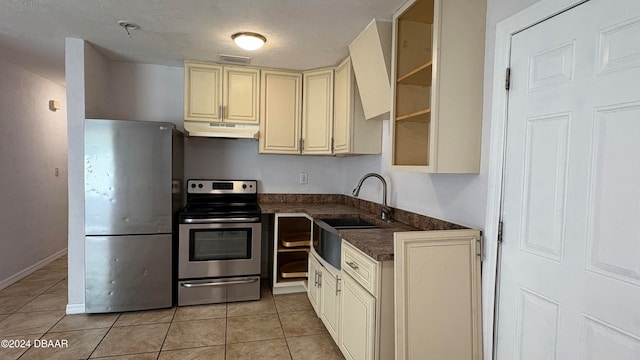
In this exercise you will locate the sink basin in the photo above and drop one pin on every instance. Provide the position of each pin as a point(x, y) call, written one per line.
point(326, 240)
point(349, 223)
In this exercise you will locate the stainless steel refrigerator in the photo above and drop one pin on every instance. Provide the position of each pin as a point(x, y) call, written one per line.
point(133, 177)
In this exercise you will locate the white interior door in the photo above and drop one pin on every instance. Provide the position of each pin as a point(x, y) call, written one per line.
point(570, 266)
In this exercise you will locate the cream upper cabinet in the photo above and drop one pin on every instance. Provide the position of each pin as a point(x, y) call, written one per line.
point(317, 112)
point(437, 77)
point(371, 56)
point(202, 92)
point(437, 295)
point(221, 93)
point(352, 133)
point(240, 93)
point(280, 112)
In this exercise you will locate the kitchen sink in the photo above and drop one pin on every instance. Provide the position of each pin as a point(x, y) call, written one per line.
point(349, 223)
point(326, 240)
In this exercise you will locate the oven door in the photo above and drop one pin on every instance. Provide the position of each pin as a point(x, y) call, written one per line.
point(218, 250)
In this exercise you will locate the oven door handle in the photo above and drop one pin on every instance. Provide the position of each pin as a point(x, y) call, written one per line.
point(222, 220)
point(233, 281)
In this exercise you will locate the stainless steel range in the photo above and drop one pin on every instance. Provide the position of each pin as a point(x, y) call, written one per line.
point(219, 242)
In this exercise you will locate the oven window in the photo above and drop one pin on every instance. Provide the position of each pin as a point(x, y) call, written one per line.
point(210, 244)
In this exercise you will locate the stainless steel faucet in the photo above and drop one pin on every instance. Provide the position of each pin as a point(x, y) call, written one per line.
point(385, 213)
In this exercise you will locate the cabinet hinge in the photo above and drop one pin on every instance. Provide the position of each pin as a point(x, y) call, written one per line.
point(479, 246)
point(301, 144)
point(500, 232)
point(333, 146)
point(507, 79)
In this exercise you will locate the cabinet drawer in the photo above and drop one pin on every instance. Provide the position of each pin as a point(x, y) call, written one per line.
point(361, 267)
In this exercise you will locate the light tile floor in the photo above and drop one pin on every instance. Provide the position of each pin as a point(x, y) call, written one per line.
point(275, 327)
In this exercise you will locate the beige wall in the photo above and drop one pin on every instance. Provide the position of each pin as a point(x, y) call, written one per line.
point(33, 201)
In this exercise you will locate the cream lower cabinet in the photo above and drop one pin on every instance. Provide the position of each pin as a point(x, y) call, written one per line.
point(324, 291)
point(330, 301)
point(292, 242)
point(366, 304)
point(437, 276)
point(314, 281)
point(357, 338)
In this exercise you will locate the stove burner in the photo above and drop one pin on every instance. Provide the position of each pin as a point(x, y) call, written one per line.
point(221, 201)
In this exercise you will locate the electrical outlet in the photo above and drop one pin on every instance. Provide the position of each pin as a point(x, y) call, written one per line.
point(176, 188)
point(304, 178)
point(56, 172)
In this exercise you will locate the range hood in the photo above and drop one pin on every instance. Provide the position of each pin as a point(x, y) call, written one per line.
point(221, 130)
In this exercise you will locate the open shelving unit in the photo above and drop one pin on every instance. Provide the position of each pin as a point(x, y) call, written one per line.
point(437, 75)
point(292, 242)
point(414, 73)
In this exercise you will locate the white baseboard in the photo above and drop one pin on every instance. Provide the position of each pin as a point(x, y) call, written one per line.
point(75, 309)
point(29, 270)
point(288, 289)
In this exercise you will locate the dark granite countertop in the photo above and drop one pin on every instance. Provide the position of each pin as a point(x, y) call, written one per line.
point(376, 243)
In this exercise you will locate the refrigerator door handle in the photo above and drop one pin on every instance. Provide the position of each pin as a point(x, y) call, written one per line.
point(223, 282)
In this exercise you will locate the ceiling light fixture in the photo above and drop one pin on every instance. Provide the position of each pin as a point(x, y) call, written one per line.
point(128, 26)
point(249, 40)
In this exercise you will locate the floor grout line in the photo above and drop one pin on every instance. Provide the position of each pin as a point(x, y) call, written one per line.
point(278, 312)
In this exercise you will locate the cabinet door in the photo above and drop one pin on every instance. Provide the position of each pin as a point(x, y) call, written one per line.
point(352, 132)
point(330, 302)
point(317, 112)
point(202, 91)
point(280, 110)
point(313, 284)
point(357, 328)
point(371, 52)
point(343, 102)
point(240, 95)
point(437, 294)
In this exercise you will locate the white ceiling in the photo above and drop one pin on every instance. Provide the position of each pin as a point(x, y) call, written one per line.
point(301, 34)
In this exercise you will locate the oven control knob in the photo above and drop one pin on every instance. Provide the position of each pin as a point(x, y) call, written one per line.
point(244, 186)
point(193, 186)
point(200, 186)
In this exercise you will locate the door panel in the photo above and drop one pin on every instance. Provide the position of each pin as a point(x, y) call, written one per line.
point(614, 250)
point(357, 328)
point(342, 104)
point(317, 112)
point(570, 265)
point(280, 112)
point(313, 286)
point(330, 313)
point(127, 177)
point(240, 93)
point(127, 273)
point(203, 92)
